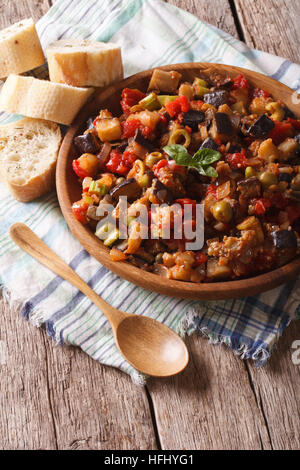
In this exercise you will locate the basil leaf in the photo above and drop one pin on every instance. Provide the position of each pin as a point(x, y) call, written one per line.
point(178, 153)
point(201, 161)
point(211, 172)
point(207, 156)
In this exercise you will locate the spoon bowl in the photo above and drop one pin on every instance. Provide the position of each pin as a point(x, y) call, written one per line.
point(149, 346)
point(140, 337)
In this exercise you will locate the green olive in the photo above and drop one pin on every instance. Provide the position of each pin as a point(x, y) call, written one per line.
point(249, 172)
point(153, 158)
point(267, 179)
point(222, 212)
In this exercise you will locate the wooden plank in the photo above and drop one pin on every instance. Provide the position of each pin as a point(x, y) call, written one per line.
point(277, 389)
point(59, 398)
point(16, 10)
point(271, 25)
point(210, 405)
point(216, 12)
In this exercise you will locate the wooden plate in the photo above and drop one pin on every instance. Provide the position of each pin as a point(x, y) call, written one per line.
point(69, 191)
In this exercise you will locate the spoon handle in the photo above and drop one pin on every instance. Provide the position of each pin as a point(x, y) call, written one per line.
point(26, 239)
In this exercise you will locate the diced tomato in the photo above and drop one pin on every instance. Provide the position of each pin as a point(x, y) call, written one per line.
point(179, 169)
point(186, 201)
point(180, 105)
point(159, 165)
point(295, 123)
point(240, 82)
point(278, 200)
point(163, 119)
point(196, 104)
point(95, 121)
point(79, 210)
point(293, 213)
point(120, 163)
point(130, 97)
point(261, 206)
point(200, 258)
point(237, 160)
point(258, 93)
point(211, 189)
point(130, 126)
point(281, 131)
point(78, 170)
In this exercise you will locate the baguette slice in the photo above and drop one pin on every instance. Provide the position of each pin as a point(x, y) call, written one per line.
point(20, 48)
point(84, 63)
point(28, 154)
point(42, 99)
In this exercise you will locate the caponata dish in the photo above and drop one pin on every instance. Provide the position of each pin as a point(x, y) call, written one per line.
point(216, 141)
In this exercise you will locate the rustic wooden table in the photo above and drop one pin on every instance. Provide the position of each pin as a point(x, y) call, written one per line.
point(59, 398)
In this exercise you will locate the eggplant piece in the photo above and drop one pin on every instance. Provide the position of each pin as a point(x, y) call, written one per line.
point(122, 147)
point(250, 188)
point(295, 185)
point(235, 148)
point(216, 98)
point(262, 127)
point(192, 118)
point(287, 177)
point(209, 144)
point(129, 188)
point(162, 192)
point(285, 242)
point(87, 143)
point(284, 239)
point(140, 139)
point(297, 138)
point(223, 124)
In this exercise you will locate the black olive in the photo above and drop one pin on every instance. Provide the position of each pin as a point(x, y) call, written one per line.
point(262, 127)
point(192, 118)
point(209, 144)
point(216, 98)
point(284, 239)
point(162, 192)
point(87, 143)
point(223, 124)
point(285, 177)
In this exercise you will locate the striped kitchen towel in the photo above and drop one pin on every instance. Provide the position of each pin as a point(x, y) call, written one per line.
point(151, 33)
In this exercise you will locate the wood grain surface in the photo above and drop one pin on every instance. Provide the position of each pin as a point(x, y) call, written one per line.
point(58, 398)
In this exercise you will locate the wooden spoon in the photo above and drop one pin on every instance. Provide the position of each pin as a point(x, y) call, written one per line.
point(146, 344)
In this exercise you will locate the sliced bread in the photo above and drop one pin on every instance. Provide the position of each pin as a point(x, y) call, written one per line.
point(42, 99)
point(79, 62)
point(20, 48)
point(28, 154)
